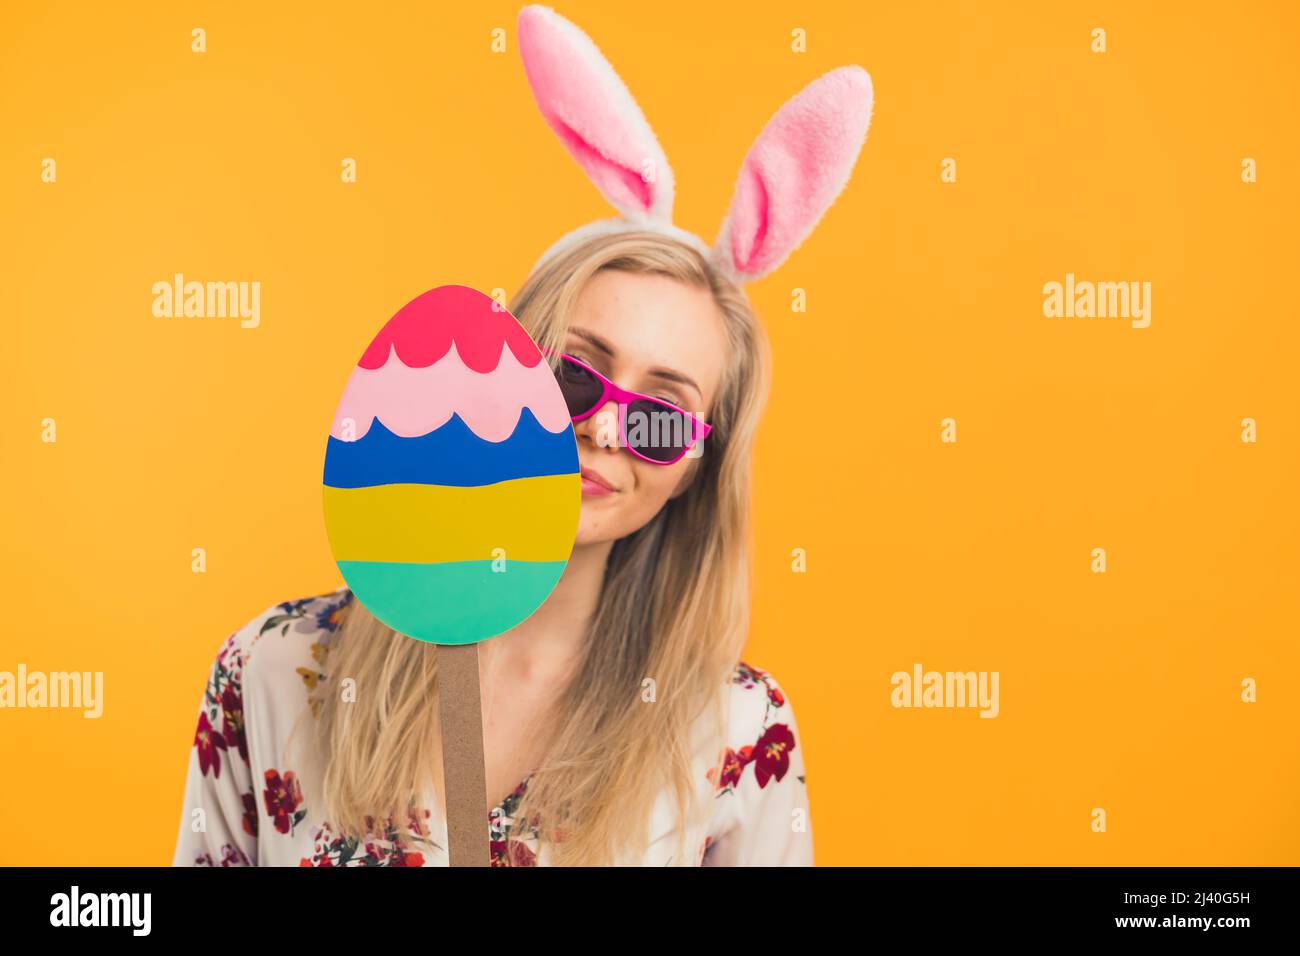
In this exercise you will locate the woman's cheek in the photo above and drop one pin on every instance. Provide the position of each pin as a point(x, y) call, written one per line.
point(653, 491)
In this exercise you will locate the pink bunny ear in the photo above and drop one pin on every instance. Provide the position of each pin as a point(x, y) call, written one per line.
point(594, 115)
point(794, 171)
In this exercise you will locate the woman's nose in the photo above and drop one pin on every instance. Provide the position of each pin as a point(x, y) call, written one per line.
point(601, 427)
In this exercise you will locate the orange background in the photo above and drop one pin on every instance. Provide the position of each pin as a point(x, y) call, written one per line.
point(1119, 691)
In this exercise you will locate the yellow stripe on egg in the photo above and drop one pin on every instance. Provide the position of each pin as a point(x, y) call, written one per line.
point(530, 519)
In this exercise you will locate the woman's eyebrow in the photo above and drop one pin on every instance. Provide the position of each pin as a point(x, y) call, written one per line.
point(670, 375)
point(667, 374)
point(595, 340)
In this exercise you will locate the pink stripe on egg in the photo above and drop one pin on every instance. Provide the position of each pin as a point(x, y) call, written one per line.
point(414, 401)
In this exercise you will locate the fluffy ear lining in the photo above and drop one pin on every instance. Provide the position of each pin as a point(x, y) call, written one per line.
point(594, 115)
point(623, 187)
point(797, 167)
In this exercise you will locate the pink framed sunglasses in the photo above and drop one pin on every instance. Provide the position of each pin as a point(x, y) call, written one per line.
point(660, 432)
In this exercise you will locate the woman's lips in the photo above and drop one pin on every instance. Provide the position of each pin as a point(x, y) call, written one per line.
point(595, 485)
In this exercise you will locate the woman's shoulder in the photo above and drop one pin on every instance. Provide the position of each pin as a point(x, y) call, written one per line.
point(761, 728)
point(287, 642)
point(756, 690)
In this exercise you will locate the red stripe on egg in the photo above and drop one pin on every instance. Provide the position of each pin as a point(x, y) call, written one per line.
point(423, 330)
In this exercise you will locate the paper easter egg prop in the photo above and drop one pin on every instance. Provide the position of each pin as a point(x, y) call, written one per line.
point(452, 487)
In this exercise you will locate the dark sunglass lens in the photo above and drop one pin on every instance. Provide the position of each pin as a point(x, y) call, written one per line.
point(581, 389)
point(657, 431)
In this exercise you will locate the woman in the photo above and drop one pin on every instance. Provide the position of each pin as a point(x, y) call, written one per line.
point(620, 724)
point(656, 588)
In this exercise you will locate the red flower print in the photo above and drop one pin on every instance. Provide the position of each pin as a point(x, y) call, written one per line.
point(338, 851)
point(250, 813)
point(232, 711)
point(771, 755)
point(732, 765)
point(228, 656)
point(207, 741)
point(230, 856)
point(283, 797)
point(511, 853)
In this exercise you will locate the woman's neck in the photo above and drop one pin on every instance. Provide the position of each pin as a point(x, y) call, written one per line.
point(546, 646)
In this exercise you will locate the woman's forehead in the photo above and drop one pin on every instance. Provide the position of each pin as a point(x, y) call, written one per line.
point(642, 321)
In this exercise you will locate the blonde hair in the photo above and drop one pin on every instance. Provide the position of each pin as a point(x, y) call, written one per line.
point(674, 606)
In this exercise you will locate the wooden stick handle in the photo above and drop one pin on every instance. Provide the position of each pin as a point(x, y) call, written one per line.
point(463, 772)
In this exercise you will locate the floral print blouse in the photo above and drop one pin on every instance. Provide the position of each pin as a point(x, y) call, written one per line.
point(245, 806)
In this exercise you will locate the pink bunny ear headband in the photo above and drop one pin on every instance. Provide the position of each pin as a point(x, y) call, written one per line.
point(791, 175)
